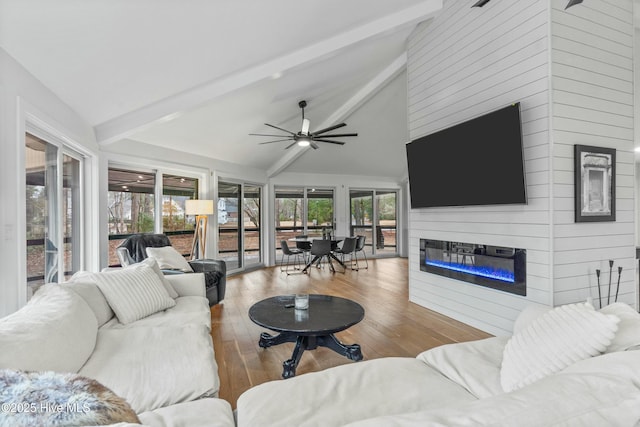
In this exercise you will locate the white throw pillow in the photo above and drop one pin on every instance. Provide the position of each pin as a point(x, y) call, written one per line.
point(134, 293)
point(628, 335)
point(555, 340)
point(169, 259)
point(151, 262)
point(528, 315)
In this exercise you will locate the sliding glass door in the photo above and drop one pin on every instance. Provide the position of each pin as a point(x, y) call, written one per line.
point(386, 222)
point(374, 215)
point(302, 211)
point(229, 224)
point(251, 209)
point(53, 212)
point(239, 231)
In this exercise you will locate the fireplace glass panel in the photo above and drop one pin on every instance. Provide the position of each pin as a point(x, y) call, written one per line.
point(485, 265)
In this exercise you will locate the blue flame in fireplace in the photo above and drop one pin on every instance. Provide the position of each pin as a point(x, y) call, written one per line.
point(482, 271)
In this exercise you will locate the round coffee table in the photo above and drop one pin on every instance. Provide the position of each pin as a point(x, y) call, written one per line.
point(308, 328)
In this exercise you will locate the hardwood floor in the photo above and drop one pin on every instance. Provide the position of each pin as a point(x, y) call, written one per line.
point(392, 326)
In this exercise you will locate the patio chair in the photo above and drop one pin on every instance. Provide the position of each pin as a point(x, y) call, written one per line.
point(297, 254)
point(348, 248)
point(360, 248)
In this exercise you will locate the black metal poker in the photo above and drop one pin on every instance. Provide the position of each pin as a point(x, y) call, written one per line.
point(610, 273)
point(618, 285)
point(599, 294)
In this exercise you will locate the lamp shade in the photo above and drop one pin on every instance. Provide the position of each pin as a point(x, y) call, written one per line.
point(198, 207)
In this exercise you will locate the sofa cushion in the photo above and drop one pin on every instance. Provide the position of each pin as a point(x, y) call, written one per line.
point(343, 394)
point(475, 365)
point(55, 331)
point(198, 413)
point(187, 311)
point(170, 259)
point(84, 401)
point(133, 293)
point(155, 367)
point(628, 334)
point(553, 341)
point(561, 400)
point(85, 285)
point(188, 284)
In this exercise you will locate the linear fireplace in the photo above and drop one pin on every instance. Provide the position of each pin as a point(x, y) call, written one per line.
point(495, 267)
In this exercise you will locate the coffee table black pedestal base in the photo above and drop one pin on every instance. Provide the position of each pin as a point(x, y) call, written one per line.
point(308, 342)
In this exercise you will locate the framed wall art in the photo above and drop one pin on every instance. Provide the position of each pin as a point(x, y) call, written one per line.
point(595, 184)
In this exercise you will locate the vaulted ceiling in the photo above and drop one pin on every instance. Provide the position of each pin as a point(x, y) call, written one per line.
point(200, 75)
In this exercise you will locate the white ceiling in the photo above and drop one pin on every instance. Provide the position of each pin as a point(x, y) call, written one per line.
point(203, 74)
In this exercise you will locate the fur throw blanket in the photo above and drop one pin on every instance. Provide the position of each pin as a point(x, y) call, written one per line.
point(55, 399)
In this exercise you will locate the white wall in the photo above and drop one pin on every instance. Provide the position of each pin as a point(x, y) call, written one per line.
point(572, 72)
point(465, 63)
point(593, 104)
point(23, 97)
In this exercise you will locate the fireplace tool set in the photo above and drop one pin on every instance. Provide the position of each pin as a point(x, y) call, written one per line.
point(609, 288)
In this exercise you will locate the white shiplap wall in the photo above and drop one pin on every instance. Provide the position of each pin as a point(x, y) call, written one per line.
point(592, 95)
point(572, 73)
point(465, 63)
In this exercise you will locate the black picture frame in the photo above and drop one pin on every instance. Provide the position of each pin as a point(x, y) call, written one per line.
point(595, 183)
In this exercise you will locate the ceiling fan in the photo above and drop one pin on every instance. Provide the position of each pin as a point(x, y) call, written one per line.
point(304, 138)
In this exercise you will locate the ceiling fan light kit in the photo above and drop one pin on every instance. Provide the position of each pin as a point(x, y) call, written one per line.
point(303, 142)
point(304, 138)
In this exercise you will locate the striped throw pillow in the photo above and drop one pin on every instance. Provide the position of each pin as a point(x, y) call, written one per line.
point(554, 341)
point(133, 293)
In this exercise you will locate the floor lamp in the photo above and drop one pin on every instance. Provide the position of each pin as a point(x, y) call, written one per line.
point(201, 209)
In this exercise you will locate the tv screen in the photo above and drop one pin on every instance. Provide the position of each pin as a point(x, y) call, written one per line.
point(478, 162)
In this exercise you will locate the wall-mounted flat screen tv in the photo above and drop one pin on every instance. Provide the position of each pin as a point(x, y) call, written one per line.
point(478, 162)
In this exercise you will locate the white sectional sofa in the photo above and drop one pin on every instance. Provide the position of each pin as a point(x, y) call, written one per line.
point(570, 366)
point(576, 369)
point(163, 364)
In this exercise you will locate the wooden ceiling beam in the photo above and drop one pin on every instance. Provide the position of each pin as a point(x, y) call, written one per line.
point(172, 107)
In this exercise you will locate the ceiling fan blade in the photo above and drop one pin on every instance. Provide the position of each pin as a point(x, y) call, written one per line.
point(330, 142)
point(277, 140)
point(283, 130)
point(267, 134)
point(313, 145)
point(290, 145)
point(339, 135)
point(330, 128)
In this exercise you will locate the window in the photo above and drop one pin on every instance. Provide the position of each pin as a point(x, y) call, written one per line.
point(294, 203)
point(289, 204)
point(319, 211)
point(53, 212)
point(175, 224)
point(239, 231)
point(379, 208)
point(252, 220)
point(132, 207)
